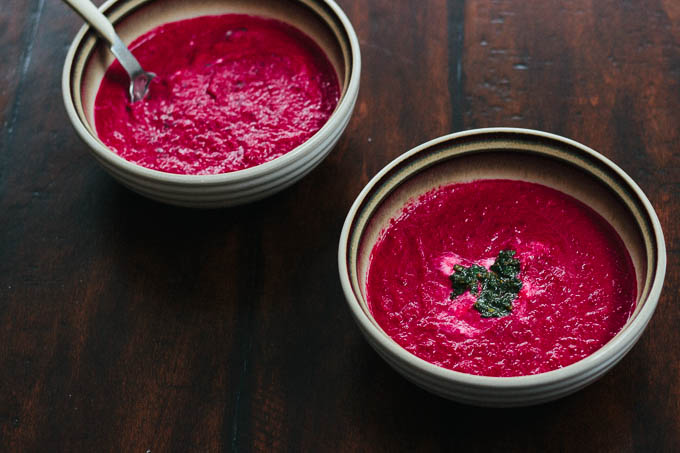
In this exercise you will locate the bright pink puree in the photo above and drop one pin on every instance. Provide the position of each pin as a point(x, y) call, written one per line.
point(578, 280)
point(233, 91)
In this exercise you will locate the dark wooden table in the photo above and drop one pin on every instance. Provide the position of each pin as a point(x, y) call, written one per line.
point(127, 325)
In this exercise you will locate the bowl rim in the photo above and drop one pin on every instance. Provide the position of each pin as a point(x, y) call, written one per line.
point(109, 157)
point(626, 337)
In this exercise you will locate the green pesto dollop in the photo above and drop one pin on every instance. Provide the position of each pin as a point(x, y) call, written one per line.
point(499, 285)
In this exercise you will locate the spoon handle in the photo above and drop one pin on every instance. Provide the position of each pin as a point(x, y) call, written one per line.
point(139, 79)
point(98, 21)
point(89, 12)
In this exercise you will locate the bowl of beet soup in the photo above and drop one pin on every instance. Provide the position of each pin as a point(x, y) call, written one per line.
point(502, 267)
point(249, 96)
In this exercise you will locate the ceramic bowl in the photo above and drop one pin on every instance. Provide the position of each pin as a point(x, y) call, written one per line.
point(88, 59)
point(516, 154)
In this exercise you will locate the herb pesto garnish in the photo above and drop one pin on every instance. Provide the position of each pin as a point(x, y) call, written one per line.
point(467, 278)
point(499, 285)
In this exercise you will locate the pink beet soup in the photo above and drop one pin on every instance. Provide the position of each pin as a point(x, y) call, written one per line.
point(578, 284)
point(232, 92)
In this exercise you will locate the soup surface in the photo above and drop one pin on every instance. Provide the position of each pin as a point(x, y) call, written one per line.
point(232, 91)
point(575, 284)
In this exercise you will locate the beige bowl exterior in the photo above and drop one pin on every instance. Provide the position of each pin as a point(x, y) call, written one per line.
point(88, 59)
point(518, 154)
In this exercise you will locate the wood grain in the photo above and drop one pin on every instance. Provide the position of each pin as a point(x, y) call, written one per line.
point(126, 325)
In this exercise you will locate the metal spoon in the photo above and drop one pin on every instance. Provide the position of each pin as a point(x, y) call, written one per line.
point(139, 78)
